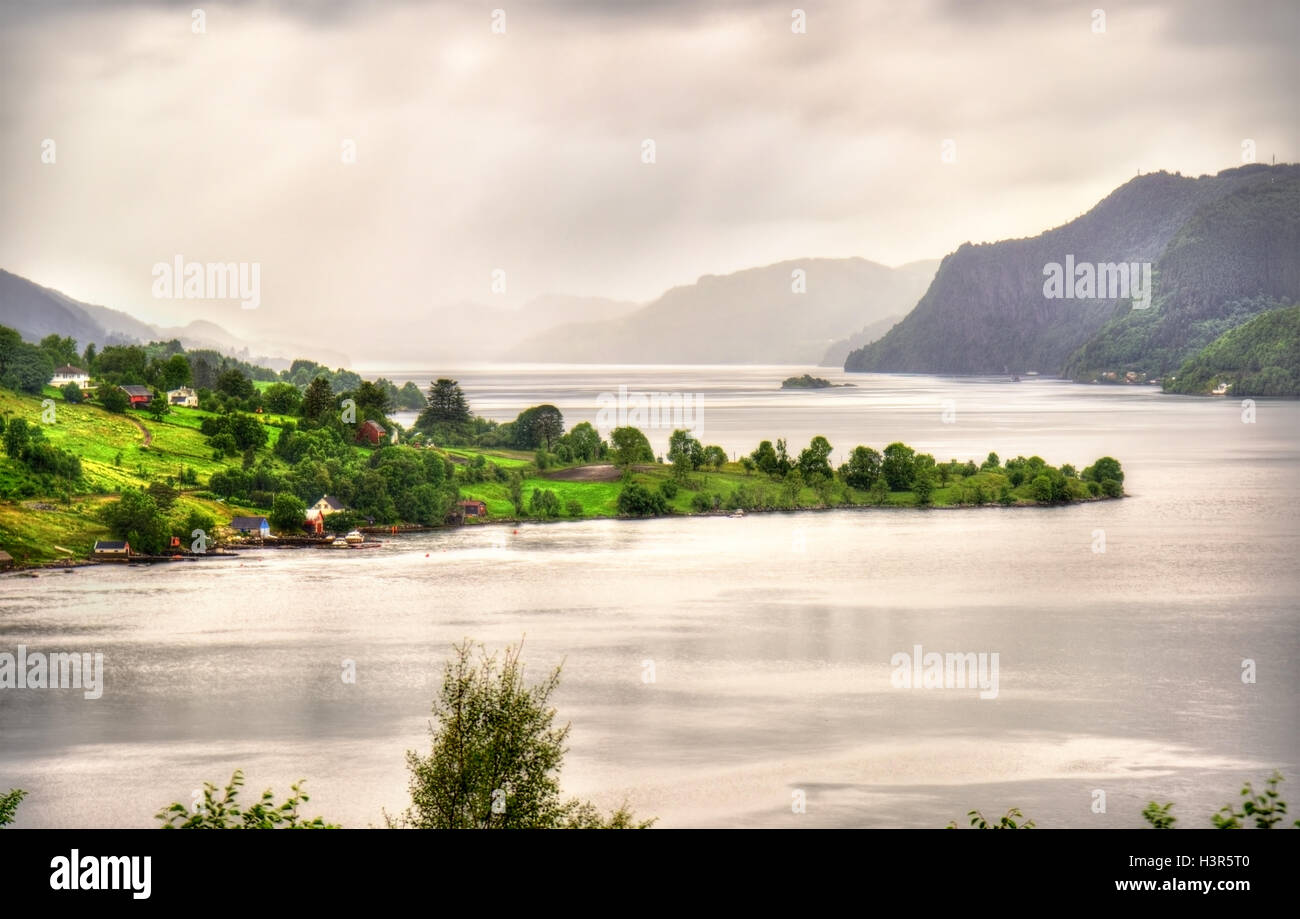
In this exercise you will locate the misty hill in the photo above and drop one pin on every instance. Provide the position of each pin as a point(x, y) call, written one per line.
point(986, 310)
point(1237, 257)
point(839, 351)
point(36, 311)
point(1260, 358)
point(751, 316)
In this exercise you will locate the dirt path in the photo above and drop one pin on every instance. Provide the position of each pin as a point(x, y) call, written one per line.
point(148, 436)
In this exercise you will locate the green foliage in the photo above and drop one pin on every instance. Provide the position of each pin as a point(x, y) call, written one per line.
point(9, 805)
point(1011, 820)
point(72, 393)
point(23, 367)
point(862, 469)
point(225, 813)
point(898, 466)
point(638, 501)
point(113, 399)
point(446, 406)
point(496, 753)
point(814, 460)
point(539, 426)
point(573, 508)
point(287, 513)
point(629, 446)
point(1159, 816)
point(1266, 809)
point(544, 504)
point(1259, 358)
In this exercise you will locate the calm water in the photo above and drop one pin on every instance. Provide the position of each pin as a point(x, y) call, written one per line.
point(1119, 671)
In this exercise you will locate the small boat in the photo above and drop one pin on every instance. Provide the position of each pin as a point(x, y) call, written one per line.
point(737, 513)
point(354, 538)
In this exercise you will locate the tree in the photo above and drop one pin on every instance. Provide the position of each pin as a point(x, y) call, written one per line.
point(715, 456)
point(282, 398)
point(226, 814)
point(862, 469)
point(585, 442)
point(288, 512)
point(496, 752)
point(409, 398)
point(373, 402)
point(16, 437)
point(318, 403)
point(61, 350)
point(1105, 468)
point(135, 517)
point(628, 446)
point(1008, 821)
point(684, 452)
point(72, 393)
point(175, 372)
point(897, 466)
point(814, 460)
point(541, 425)
point(447, 405)
point(233, 383)
point(764, 457)
point(114, 399)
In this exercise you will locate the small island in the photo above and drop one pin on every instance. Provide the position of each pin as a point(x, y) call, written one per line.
point(807, 381)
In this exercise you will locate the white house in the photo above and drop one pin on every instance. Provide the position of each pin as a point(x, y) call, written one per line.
point(326, 506)
point(69, 374)
point(183, 396)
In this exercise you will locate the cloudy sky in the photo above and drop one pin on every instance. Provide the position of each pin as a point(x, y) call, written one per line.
point(523, 151)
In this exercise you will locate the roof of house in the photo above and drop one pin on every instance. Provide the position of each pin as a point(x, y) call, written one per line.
point(109, 544)
point(68, 370)
point(137, 390)
point(472, 501)
point(332, 502)
point(374, 424)
point(5, 556)
point(184, 389)
point(248, 523)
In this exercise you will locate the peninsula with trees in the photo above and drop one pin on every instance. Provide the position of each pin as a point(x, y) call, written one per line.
point(153, 443)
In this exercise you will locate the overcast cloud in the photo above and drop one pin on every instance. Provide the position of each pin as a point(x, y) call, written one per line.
point(522, 151)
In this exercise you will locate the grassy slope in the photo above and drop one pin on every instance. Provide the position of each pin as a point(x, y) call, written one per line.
point(97, 437)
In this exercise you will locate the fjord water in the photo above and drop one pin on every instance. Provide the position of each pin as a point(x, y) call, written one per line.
point(770, 637)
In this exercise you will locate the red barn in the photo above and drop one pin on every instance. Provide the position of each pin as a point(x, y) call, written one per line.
point(371, 433)
point(140, 395)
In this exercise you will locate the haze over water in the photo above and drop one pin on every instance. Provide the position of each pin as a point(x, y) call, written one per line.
point(1119, 671)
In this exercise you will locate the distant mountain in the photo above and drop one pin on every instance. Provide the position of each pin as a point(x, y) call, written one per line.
point(1260, 358)
point(839, 351)
point(36, 311)
point(986, 310)
point(751, 316)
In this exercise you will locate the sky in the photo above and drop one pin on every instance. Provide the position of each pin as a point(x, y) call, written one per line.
point(512, 148)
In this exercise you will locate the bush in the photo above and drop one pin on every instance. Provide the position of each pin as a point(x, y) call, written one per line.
point(72, 393)
point(544, 504)
point(573, 508)
point(669, 489)
point(225, 814)
point(638, 501)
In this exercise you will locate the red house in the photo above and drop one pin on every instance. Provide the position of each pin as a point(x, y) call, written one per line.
point(472, 508)
point(371, 433)
point(140, 395)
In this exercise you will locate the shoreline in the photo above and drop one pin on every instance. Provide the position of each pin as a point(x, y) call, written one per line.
point(67, 565)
